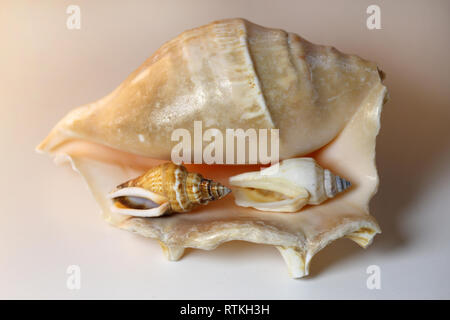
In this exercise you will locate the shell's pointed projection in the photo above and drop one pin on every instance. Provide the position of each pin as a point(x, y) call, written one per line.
point(234, 74)
point(166, 188)
point(287, 186)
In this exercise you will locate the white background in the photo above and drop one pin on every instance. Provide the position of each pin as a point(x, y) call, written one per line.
point(49, 221)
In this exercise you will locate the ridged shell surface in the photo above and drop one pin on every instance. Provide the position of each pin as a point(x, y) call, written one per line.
point(227, 74)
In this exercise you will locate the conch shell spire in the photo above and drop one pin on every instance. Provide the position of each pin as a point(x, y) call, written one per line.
point(334, 184)
point(165, 189)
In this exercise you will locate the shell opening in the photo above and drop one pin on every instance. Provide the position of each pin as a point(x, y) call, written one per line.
point(263, 195)
point(270, 200)
point(133, 202)
point(138, 202)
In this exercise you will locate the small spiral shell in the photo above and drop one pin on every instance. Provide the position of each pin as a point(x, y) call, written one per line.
point(288, 186)
point(168, 185)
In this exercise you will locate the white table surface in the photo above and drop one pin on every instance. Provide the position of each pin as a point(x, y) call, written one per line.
point(49, 221)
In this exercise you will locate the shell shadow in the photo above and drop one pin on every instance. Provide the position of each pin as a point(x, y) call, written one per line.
point(235, 250)
point(336, 253)
point(412, 143)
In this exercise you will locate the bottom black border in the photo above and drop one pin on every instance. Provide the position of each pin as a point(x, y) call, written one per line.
point(222, 309)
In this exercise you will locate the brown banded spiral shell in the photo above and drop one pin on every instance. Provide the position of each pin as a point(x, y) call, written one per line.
point(168, 184)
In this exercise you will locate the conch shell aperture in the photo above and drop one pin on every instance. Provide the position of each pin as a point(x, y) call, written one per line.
point(163, 189)
point(327, 105)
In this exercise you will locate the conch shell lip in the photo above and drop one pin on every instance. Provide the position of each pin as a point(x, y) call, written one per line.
point(137, 192)
point(161, 201)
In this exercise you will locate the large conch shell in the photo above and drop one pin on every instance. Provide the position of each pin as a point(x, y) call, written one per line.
point(165, 189)
point(287, 186)
point(235, 74)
